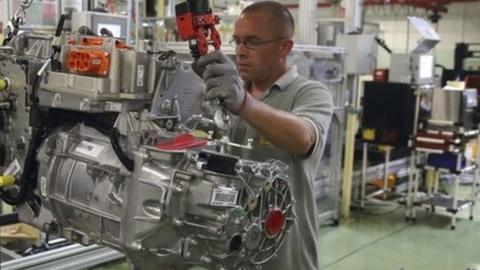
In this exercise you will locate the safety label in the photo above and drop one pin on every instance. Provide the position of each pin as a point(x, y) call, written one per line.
point(89, 149)
point(43, 186)
point(224, 196)
point(113, 106)
point(140, 73)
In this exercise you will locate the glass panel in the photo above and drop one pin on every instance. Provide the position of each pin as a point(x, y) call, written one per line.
point(41, 14)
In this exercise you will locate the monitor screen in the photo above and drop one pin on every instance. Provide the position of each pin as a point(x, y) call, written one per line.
point(426, 66)
point(116, 29)
point(113, 23)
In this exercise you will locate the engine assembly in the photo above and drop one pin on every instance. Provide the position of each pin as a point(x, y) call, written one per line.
point(104, 144)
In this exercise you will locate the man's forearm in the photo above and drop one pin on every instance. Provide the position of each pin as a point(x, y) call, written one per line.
point(285, 130)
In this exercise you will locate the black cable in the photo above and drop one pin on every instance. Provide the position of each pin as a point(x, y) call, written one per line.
point(28, 175)
point(124, 159)
point(383, 44)
point(34, 94)
point(26, 179)
point(105, 32)
point(440, 66)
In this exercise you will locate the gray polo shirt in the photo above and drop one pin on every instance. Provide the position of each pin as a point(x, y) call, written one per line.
point(313, 102)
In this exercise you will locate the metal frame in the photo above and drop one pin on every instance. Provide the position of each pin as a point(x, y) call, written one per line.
point(433, 5)
point(337, 128)
point(433, 198)
point(412, 200)
point(363, 194)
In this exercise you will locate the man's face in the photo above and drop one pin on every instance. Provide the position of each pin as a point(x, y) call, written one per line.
point(257, 63)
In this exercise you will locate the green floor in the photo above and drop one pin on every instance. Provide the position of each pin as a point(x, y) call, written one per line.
point(386, 242)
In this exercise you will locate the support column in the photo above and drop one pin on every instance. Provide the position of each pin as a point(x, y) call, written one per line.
point(306, 22)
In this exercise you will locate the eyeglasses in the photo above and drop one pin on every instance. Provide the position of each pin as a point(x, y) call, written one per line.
point(250, 43)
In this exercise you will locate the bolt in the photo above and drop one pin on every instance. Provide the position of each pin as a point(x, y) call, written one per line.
point(178, 222)
point(205, 259)
point(20, 142)
point(193, 242)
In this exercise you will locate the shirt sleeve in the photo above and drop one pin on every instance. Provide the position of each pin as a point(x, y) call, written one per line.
point(314, 103)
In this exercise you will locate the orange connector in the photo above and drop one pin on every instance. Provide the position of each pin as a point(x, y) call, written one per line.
point(98, 41)
point(89, 61)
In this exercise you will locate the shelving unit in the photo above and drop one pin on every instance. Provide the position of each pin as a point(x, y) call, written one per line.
point(444, 153)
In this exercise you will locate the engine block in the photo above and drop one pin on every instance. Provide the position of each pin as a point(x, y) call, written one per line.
point(176, 207)
point(138, 178)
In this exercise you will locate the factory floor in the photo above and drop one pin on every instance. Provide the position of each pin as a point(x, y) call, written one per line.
point(381, 239)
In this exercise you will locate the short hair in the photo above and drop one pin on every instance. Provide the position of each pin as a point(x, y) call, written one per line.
point(280, 16)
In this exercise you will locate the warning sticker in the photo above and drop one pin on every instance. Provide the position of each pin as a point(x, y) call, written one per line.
point(224, 196)
point(140, 74)
point(89, 149)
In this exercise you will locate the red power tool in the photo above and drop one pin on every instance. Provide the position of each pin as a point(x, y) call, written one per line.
point(196, 23)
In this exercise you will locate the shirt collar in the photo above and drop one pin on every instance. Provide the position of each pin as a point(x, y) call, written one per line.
point(283, 82)
point(286, 79)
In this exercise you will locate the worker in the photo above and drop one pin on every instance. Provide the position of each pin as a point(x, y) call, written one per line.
point(285, 114)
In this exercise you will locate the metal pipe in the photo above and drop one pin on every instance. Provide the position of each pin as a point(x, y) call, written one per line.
point(307, 13)
point(415, 189)
point(413, 171)
point(456, 186)
point(385, 175)
point(161, 9)
point(351, 127)
point(364, 174)
point(27, 262)
point(137, 23)
point(475, 177)
point(348, 164)
point(129, 22)
point(375, 194)
point(429, 181)
point(84, 260)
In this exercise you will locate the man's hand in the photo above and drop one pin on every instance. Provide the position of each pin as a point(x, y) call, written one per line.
point(222, 82)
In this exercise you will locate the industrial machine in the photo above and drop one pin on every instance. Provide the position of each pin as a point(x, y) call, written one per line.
point(104, 144)
point(416, 67)
point(100, 23)
point(393, 125)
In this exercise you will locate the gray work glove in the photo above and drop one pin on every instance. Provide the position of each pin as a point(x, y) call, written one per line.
point(222, 82)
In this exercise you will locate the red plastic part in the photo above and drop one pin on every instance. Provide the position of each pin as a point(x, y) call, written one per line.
point(274, 222)
point(182, 142)
point(201, 28)
point(380, 75)
point(89, 61)
point(186, 28)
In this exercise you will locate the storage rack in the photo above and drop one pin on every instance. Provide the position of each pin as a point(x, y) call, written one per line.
point(443, 143)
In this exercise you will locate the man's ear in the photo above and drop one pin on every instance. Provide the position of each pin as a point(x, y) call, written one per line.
point(287, 47)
